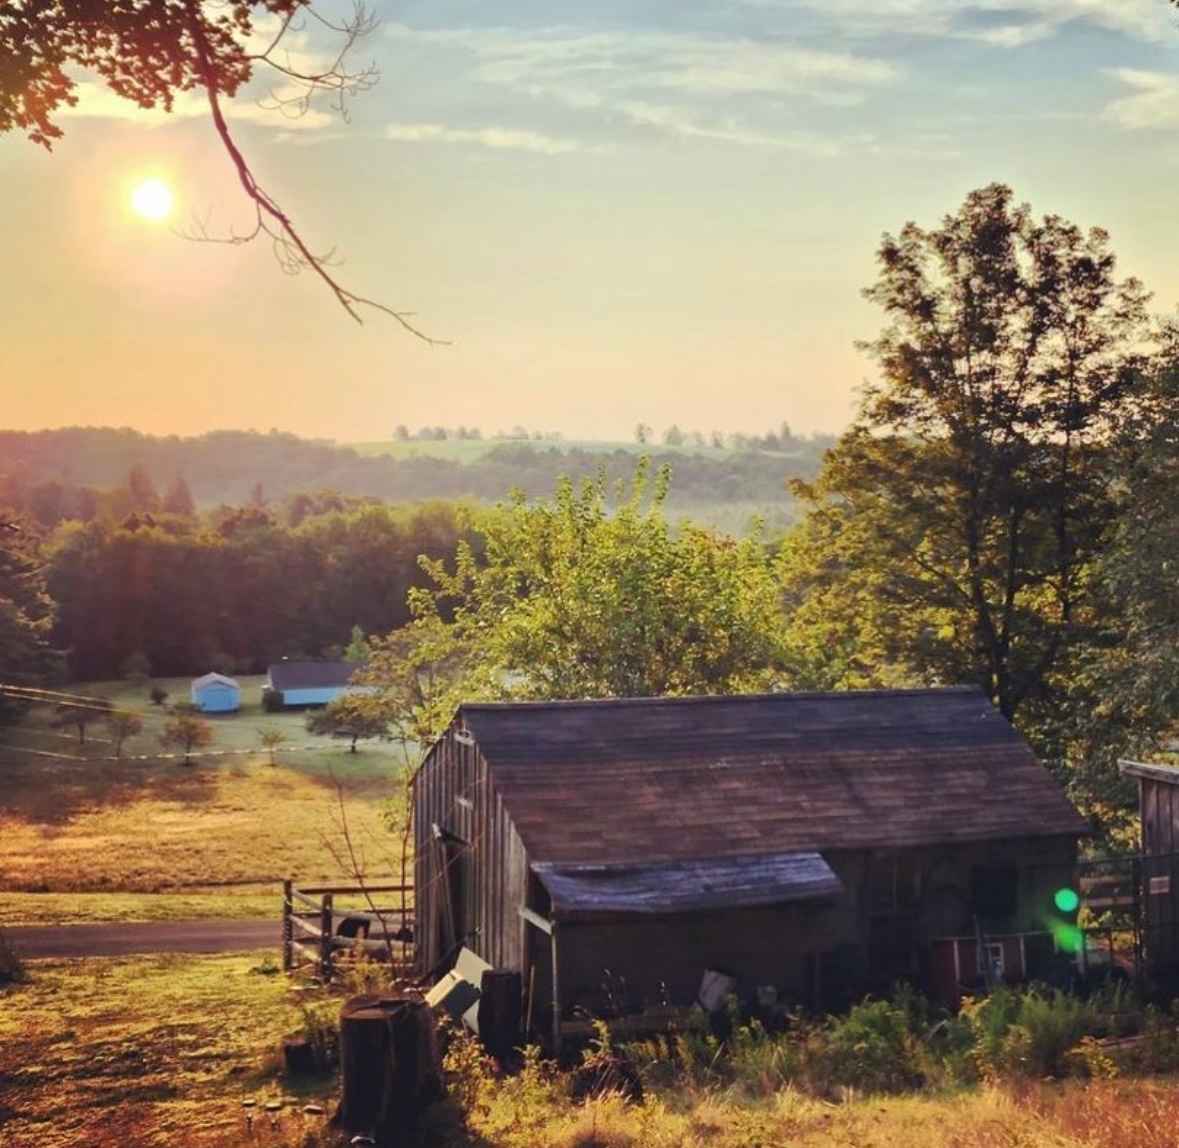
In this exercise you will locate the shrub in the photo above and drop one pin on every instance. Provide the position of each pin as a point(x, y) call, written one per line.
point(136, 667)
point(871, 1049)
point(1028, 1033)
point(762, 1063)
point(158, 695)
point(12, 967)
point(605, 1070)
point(272, 700)
point(1089, 1058)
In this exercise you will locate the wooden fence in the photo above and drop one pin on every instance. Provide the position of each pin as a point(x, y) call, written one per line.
point(316, 932)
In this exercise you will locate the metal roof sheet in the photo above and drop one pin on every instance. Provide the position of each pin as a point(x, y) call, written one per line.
point(311, 675)
point(213, 679)
point(687, 886)
point(676, 778)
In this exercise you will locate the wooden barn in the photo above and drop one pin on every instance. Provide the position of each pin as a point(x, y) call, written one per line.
point(1156, 880)
point(810, 846)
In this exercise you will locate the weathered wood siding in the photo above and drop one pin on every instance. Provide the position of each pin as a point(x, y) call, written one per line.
point(486, 868)
point(1159, 803)
point(816, 954)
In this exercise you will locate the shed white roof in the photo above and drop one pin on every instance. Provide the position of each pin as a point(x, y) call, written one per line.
point(214, 680)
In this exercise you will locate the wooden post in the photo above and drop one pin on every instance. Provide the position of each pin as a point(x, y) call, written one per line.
point(390, 1067)
point(325, 938)
point(500, 1011)
point(287, 928)
point(556, 999)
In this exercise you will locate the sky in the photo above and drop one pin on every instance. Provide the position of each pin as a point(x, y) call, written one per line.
point(633, 210)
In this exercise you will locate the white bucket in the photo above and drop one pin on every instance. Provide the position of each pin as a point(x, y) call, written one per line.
point(714, 988)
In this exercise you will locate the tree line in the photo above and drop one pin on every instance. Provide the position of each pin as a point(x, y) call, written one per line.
point(161, 594)
point(81, 472)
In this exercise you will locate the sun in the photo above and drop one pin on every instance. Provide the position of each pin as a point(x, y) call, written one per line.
point(152, 199)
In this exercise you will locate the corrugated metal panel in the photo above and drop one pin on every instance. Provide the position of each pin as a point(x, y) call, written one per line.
point(678, 778)
point(687, 886)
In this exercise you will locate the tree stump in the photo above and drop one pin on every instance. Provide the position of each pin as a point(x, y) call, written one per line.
point(390, 1066)
point(299, 1055)
point(500, 1012)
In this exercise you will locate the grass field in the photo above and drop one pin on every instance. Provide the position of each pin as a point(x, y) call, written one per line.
point(163, 1050)
point(74, 820)
point(153, 1050)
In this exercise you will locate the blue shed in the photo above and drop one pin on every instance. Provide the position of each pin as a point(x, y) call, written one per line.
point(216, 694)
point(312, 683)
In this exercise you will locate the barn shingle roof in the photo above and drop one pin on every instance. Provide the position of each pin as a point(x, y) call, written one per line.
point(670, 779)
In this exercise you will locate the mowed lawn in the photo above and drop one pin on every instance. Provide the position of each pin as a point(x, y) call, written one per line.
point(153, 1050)
point(72, 820)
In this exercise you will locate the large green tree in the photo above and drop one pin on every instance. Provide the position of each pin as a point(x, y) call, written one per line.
point(952, 533)
point(573, 598)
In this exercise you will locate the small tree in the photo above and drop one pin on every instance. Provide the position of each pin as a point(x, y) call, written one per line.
point(186, 731)
point(357, 648)
point(352, 716)
point(179, 498)
point(136, 667)
point(158, 695)
point(121, 725)
point(270, 739)
point(79, 715)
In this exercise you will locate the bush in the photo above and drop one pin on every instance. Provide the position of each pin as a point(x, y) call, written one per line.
point(12, 967)
point(1028, 1033)
point(136, 667)
point(158, 695)
point(762, 1062)
point(271, 700)
point(871, 1049)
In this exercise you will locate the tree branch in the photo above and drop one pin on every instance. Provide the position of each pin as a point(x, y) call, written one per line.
point(290, 249)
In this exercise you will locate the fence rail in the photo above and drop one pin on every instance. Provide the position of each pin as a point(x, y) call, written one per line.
point(317, 932)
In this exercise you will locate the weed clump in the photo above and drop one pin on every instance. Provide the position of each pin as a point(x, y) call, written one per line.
point(12, 966)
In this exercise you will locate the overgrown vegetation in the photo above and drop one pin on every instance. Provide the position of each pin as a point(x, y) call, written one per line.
point(887, 1072)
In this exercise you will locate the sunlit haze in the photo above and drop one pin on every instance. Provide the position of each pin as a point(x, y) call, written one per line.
point(152, 199)
point(615, 212)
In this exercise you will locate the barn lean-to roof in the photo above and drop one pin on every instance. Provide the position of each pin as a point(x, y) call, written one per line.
point(648, 781)
point(698, 884)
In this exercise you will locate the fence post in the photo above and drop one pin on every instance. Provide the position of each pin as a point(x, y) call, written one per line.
point(325, 938)
point(287, 927)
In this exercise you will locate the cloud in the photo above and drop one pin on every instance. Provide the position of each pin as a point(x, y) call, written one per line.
point(95, 101)
point(1153, 100)
point(589, 66)
point(674, 121)
point(729, 89)
point(507, 139)
point(1003, 23)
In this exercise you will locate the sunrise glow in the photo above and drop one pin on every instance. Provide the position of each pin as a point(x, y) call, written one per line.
point(152, 199)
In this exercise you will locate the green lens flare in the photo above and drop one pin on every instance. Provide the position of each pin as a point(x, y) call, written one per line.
point(1066, 900)
point(1069, 939)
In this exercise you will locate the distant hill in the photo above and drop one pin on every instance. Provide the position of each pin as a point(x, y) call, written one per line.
point(724, 486)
